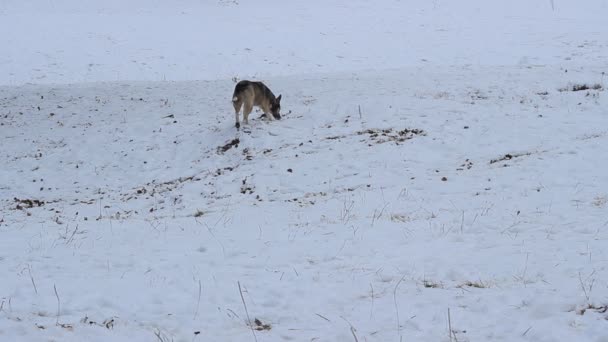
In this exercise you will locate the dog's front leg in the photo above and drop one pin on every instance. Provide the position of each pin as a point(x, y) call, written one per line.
point(268, 117)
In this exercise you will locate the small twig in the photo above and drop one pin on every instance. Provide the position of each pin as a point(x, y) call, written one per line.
point(58, 304)
point(584, 287)
point(450, 324)
point(371, 310)
point(72, 236)
point(100, 217)
point(198, 303)
point(352, 329)
point(216, 239)
point(523, 275)
point(325, 318)
point(379, 215)
point(234, 313)
point(462, 222)
point(525, 332)
point(345, 212)
point(159, 335)
point(247, 312)
point(396, 306)
point(29, 270)
point(360, 116)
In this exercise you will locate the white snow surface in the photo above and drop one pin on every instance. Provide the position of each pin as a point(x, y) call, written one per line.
point(71, 41)
point(432, 158)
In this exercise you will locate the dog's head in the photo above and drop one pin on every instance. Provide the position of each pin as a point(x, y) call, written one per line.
point(275, 108)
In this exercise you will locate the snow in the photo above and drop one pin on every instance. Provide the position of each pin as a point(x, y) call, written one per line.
point(442, 162)
point(69, 41)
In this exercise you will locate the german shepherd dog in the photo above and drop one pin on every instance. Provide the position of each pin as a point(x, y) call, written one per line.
point(248, 94)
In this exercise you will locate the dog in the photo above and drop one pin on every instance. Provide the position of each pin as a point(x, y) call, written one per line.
point(248, 94)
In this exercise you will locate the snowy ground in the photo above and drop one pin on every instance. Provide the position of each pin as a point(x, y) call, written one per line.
point(59, 41)
point(393, 190)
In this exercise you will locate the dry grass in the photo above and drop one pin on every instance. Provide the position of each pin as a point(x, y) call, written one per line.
point(476, 284)
point(431, 284)
point(399, 218)
point(581, 87)
point(599, 309)
point(600, 201)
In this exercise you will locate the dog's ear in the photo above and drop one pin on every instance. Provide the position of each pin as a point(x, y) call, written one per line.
point(279, 99)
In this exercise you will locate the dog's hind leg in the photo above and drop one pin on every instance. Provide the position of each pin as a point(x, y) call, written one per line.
point(247, 108)
point(236, 103)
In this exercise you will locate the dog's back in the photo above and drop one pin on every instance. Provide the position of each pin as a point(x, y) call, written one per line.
point(257, 92)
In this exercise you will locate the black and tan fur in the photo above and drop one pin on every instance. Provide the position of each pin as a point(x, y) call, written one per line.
point(248, 94)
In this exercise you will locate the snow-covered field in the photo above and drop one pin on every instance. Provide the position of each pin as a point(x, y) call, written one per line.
point(433, 157)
